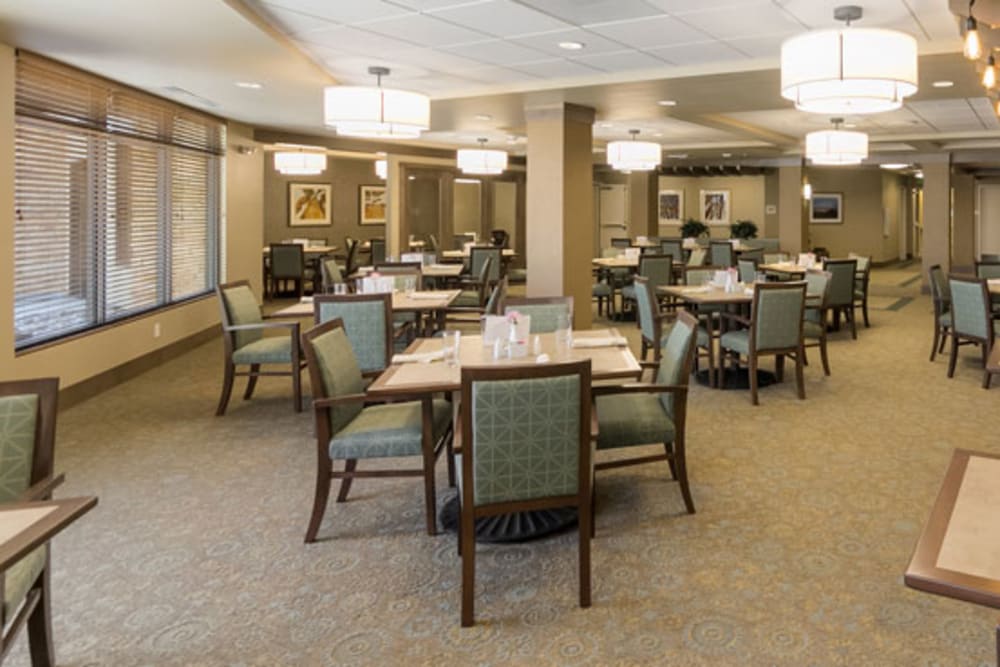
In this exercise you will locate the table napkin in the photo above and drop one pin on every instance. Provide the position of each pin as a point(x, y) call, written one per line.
point(600, 341)
point(429, 296)
point(306, 299)
point(419, 357)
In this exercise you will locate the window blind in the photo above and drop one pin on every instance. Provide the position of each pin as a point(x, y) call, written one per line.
point(117, 201)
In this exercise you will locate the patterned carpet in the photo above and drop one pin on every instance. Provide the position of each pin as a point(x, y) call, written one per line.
point(807, 515)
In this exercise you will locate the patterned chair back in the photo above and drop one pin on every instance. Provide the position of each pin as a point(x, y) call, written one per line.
point(722, 253)
point(841, 281)
point(644, 300)
point(432, 243)
point(700, 275)
point(333, 370)
point(659, 269)
point(331, 274)
point(970, 307)
point(526, 432)
point(239, 306)
point(478, 256)
point(747, 269)
point(697, 257)
point(672, 247)
point(988, 270)
point(378, 251)
point(818, 284)
point(367, 323)
point(27, 434)
point(287, 260)
point(545, 312)
point(676, 358)
point(939, 285)
point(351, 264)
point(497, 296)
point(776, 317)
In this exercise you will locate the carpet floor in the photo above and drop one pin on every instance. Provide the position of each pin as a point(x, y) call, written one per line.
point(808, 512)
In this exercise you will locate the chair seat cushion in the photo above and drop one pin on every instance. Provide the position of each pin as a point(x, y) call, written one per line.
point(625, 420)
point(271, 350)
point(391, 429)
point(944, 319)
point(628, 292)
point(703, 337)
point(812, 329)
point(737, 341)
point(601, 289)
point(859, 294)
point(404, 317)
point(467, 299)
point(19, 578)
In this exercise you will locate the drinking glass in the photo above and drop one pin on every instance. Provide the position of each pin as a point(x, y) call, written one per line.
point(450, 342)
point(563, 334)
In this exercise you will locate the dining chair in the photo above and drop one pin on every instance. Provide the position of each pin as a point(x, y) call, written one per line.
point(474, 290)
point(989, 257)
point(658, 269)
point(697, 257)
point(350, 428)
point(331, 274)
point(862, 277)
point(377, 246)
point(747, 267)
point(814, 326)
point(288, 265)
point(478, 255)
point(636, 414)
point(673, 247)
point(651, 320)
point(398, 267)
point(27, 444)
point(459, 240)
point(722, 253)
point(494, 305)
point(840, 297)
point(245, 344)
point(525, 444)
point(546, 312)
point(988, 269)
point(774, 328)
point(756, 254)
point(775, 257)
point(351, 261)
point(942, 308)
point(432, 243)
point(621, 242)
point(368, 325)
point(971, 319)
point(708, 316)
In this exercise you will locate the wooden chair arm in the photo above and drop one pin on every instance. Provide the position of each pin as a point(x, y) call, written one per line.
point(456, 445)
point(41, 490)
point(640, 388)
point(276, 324)
point(594, 424)
point(339, 400)
point(736, 318)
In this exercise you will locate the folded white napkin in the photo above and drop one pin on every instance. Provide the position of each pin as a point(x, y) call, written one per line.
point(748, 291)
point(418, 357)
point(306, 299)
point(429, 296)
point(440, 266)
point(542, 359)
point(600, 341)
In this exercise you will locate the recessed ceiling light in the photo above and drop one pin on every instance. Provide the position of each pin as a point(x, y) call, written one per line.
point(605, 125)
point(571, 46)
point(727, 155)
point(943, 84)
point(850, 126)
point(483, 116)
point(657, 134)
point(252, 85)
point(667, 103)
point(894, 165)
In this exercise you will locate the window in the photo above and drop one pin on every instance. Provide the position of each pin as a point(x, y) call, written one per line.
point(117, 201)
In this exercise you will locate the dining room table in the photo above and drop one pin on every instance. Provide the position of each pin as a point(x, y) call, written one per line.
point(25, 526)
point(429, 305)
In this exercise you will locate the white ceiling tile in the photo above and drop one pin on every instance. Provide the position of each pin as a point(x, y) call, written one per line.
point(697, 54)
point(435, 60)
point(883, 14)
point(935, 20)
point(748, 21)
point(586, 12)
point(677, 7)
point(549, 42)
point(424, 30)
point(498, 75)
point(501, 18)
point(294, 23)
point(356, 40)
point(426, 5)
point(342, 12)
point(983, 108)
point(621, 61)
point(558, 67)
point(354, 70)
point(496, 52)
point(759, 46)
point(650, 32)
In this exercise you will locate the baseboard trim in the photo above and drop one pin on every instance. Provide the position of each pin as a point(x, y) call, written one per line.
point(81, 391)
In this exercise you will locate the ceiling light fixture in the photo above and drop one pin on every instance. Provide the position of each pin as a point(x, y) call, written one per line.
point(481, 160)
point(571, 46)
point(990, 73)
point(376, 113)
point(849, 70)
point(973, 48)
point(667, 103)
point(807, 191)
point(836, 146)
point(251, 85)
point(894, 166)
point(943, 84)
point(294, 160)
point(483, 116)
point(382, 169)
point(634, 155)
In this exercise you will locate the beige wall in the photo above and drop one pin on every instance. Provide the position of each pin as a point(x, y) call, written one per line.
point(771, 198)
point(746, 200)
point(467, 208)
point(88, 355)
point(869, 196)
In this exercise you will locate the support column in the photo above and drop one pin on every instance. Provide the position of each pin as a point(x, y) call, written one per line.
point(793, 212)
point(936, 245)
point(560, 205)
point(643, 216)
point(963, 221)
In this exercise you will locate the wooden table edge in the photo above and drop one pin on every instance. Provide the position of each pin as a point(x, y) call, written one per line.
point(67, 511)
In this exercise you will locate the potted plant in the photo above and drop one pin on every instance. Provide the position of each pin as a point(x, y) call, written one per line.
point(693, 229)
point(743, 229)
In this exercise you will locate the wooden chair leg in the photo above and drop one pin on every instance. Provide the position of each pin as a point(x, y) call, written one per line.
point(779, 367)
point(953, 357)
point(682, 476)
point(430, 493)
point(227, 388)
point(319, 500)
point(822, 354)
point(799, 375)
point(251, 381)
point(864, 310)
point(350, 465)
point(584, 528)
point(854, 323)
point(669, 449)
point(468, 568)
point(753, 377)
point(450, 453)
point(937, 340)
point(945, 332)
point(40, 623)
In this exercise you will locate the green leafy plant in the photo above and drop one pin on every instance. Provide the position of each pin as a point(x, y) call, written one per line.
point(743, 229)
point(694, 229)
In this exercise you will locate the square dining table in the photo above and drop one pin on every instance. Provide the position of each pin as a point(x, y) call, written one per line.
point(430, 304)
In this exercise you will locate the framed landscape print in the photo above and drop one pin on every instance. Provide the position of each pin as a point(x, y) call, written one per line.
point(826, 208)
point(308, 204)
point(372, 204)
point(671, 205)
point(715, 207)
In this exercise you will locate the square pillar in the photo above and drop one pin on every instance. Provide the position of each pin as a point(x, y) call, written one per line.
point(935, 247)
point(793, 210)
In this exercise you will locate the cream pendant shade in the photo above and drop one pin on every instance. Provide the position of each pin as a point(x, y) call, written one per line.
point(299, 163)
point(849, 71)
point(836, 147)
point(634, 155)
point(376, 112)
point(382, 169)
point(481, 161)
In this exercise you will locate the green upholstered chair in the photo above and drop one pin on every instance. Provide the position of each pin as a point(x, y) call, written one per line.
point(245, 344)
point(472, 298)
point(472, 316)
point(630, 415)
point(988, 269)
point(332, 274)
point(747, 268)
point(775, 257)
point(494, 305)
point(350, 428)
point(862, 277)
point(840, 297)
point(650, 318)
point(432, 243)
point(546, 312)
point(621, 242)
point(602, 292)
point(774, 328)
point(722, 253)
point(377, 251)
point(288, 264)
point(367, 322)
point(697, 257)
point(942, 308)
point(814, 326)
point(971, 319)
point(525, 444)
point(27, 442)
point(757, 255)
point(673, 247)
point(658, 269)
point(479, 255)
point(387, 268)
point(708, 316)
point(351, 261)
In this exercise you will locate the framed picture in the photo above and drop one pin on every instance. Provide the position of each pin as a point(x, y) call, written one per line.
point(826, 208)
point(715, 207)
point(309, 204)
point(671, 205)
point(372, 204)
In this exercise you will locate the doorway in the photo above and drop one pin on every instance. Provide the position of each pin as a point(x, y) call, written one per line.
point(611, 214)
point(987, 219)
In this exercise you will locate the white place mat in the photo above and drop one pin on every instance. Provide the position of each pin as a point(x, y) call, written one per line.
point(600, 341)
